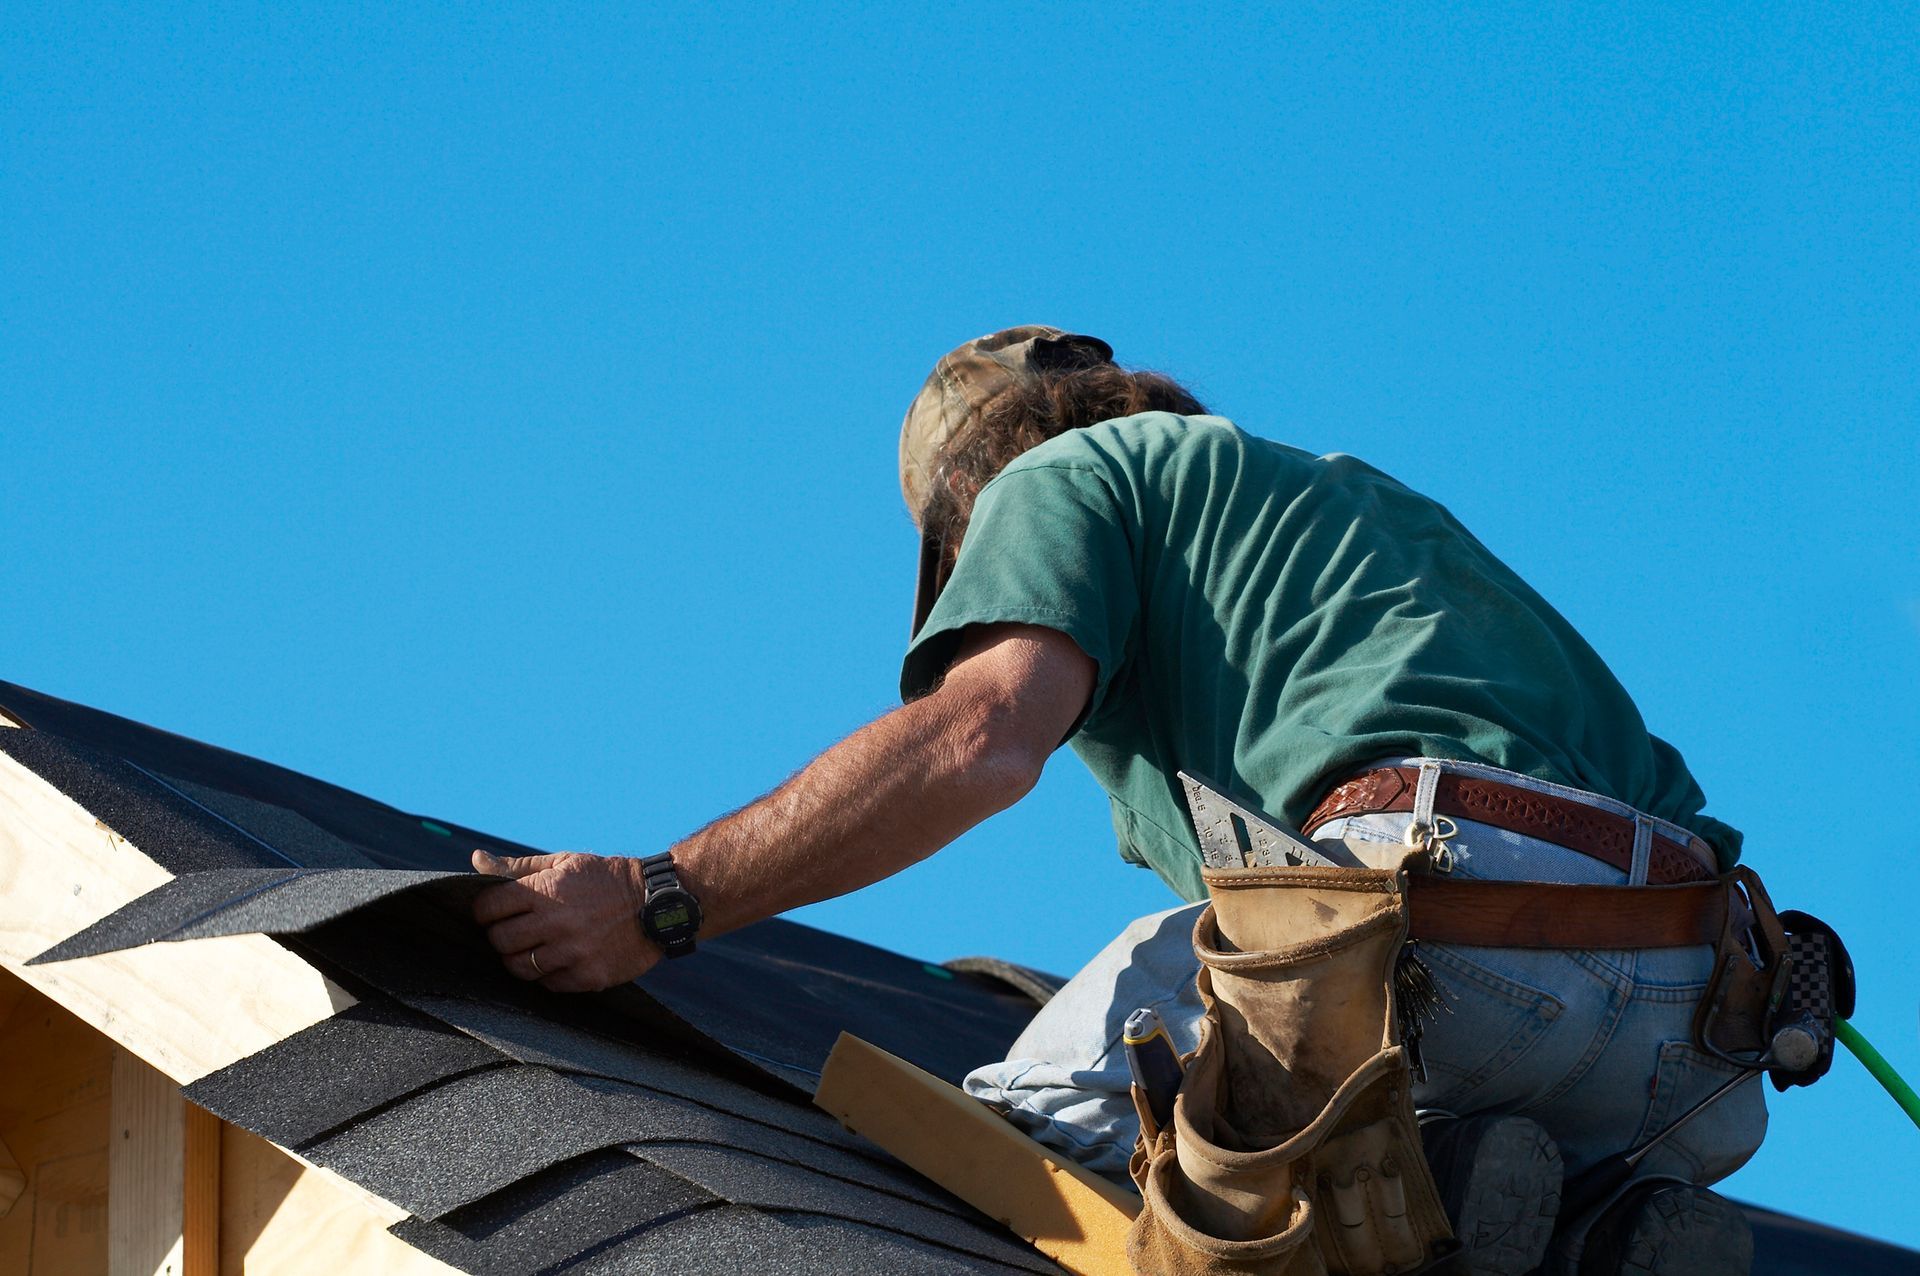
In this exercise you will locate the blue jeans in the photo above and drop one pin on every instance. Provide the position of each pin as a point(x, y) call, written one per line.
point(1597, 1046)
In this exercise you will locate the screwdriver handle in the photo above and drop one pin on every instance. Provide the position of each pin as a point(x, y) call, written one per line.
point(1153, 1061)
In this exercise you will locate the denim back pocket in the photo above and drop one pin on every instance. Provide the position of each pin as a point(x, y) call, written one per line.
point(1721, 1138)
point(1489, 1024)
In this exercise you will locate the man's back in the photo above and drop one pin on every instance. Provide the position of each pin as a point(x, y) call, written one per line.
point(1276, 621)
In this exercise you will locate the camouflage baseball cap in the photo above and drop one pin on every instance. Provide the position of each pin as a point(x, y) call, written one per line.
point(970, 378)
point(962, 383)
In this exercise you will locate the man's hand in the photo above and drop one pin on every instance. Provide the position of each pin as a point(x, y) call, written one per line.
point(570, 921)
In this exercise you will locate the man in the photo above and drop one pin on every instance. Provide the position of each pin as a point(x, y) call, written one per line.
point(1103, 564)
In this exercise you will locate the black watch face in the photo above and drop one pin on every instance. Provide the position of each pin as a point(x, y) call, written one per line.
point(671, 916)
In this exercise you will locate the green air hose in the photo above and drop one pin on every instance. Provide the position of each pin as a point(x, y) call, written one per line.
point(1882, 1070)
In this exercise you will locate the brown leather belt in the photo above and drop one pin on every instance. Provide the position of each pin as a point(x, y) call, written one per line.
point(1549, 915)
point(1575, 825)
point(1491, 914)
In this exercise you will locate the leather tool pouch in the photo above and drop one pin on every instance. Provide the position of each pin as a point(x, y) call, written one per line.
point(1749, 975)
point(1779, 981)
point(1293, 1146)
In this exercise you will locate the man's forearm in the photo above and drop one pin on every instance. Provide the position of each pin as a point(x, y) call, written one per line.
point(887, 796)
point(882, 799)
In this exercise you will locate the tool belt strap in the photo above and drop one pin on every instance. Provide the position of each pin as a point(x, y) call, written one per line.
point(1575, 825)
point(1550, 915)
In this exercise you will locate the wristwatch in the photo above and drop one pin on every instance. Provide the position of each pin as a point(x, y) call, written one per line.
point(670, 915)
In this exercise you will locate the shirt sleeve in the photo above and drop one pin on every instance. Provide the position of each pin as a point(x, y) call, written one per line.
point(1048, 545)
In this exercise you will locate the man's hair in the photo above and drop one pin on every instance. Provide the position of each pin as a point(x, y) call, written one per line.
point(1025, 416)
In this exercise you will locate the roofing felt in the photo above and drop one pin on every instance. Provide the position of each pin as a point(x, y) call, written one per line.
point(658, 1128)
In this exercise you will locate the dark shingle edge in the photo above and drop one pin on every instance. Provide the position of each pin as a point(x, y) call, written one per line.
point(529, 1037)
point(745, 1178)
point(254, 901)
point(562, 1213)
point(327, 1076)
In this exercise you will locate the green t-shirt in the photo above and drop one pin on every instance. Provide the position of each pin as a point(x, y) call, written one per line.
point(1274, 621)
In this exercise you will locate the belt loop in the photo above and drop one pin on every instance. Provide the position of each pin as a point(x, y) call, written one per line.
point(1425, 832)
point(1424, 794)
point(1642, 850)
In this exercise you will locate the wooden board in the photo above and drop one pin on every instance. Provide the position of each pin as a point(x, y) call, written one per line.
point(69, 1216)
point(286, 1218)
point(200, 1194)
point(1069, 1213)
point(146, 1164)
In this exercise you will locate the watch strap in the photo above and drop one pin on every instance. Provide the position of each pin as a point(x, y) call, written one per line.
point(656, 872)
point(656, 875)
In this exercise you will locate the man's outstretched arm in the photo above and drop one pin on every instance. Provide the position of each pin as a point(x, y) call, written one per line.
point(886, 797)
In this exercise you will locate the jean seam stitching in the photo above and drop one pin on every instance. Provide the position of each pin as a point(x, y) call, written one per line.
point(1617, 1006)
point(1518, 993)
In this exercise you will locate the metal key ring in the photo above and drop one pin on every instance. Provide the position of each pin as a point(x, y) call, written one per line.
point(1433, 839)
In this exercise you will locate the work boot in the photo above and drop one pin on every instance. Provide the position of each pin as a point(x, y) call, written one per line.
point(1499, 1179)
point(1669, 1229)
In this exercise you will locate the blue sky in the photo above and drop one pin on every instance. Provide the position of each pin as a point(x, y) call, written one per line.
point(494, 410)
